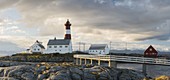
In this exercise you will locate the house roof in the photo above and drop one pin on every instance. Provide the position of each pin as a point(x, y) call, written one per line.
point(97, 46)
point(40, 45)
point(59, 42)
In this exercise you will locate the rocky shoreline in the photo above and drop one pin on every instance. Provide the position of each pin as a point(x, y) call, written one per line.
point(39, 58)
point(65, 71)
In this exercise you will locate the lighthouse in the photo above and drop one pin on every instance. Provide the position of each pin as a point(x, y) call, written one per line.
point(68, 30)
point(61, 46)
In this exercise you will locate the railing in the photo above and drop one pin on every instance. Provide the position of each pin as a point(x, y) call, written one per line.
point(125, 59)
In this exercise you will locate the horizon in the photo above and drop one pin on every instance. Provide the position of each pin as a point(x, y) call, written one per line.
point(127, 24)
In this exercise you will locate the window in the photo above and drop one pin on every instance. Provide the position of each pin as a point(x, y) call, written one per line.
point(38, 49)
point(49, 46)
point(60, 46)
point(66, 46)
point(34, 49)
point(150, 49)
point(55, 46)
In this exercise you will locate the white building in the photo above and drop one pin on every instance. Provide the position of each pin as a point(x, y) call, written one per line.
point(59, 46)
point(37, 47)
point(99, 49)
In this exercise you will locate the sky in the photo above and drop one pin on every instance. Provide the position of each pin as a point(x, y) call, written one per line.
point(139, 23)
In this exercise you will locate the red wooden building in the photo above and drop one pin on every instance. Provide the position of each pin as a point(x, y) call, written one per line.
point(150, 52)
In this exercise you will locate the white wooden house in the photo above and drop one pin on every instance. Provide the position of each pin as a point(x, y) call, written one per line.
point(59, 46)
point(37, 47)
point(99, 49)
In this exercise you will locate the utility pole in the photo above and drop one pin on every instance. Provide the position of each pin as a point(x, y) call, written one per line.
point(79, 45)
point(84, 46)
point(126, 47)
point(110, 45)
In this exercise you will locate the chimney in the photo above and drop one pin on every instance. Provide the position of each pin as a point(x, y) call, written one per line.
point(68, 30)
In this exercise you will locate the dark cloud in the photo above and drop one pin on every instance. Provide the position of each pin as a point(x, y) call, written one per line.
point(163, 37)
point(130, 16)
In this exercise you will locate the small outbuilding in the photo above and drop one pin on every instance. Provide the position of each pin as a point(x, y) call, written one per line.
point(99, 49)
point(151, 52)
point(37, 47)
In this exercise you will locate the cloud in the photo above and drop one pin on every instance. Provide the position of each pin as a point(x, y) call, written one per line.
point(137, 17)
point(9, 48)
point(163, 37)
point(115, 20)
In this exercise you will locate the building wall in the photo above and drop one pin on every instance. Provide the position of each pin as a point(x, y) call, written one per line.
point(59, 49)
point(105, 51)
point(36, 49)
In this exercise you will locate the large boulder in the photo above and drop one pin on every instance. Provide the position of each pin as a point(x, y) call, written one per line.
point(76, 70)
point(61, 75)
point(23, 72)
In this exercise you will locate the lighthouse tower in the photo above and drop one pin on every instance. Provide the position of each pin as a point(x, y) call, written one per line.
point(68, 30)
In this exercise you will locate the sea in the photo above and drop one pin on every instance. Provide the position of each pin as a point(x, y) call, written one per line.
point(152, 70)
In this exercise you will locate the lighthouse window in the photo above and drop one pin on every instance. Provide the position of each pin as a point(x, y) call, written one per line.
point(66, 46)
point(55, 46)
point(60, 46)
point(38, 49)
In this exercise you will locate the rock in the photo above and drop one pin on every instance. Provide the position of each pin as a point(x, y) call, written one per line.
point(61, 75)
point(1, 72)
point(88, 76)
point(55, 68)
point(76, 70)
point(130, 75)
point(28, 76)
point(23, 72)
point(76, 76)
point(41, 69)
point(66, 71)
point(103, 76)
point(41, 76)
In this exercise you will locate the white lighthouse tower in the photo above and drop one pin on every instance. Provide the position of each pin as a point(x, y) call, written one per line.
point(68, 31)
